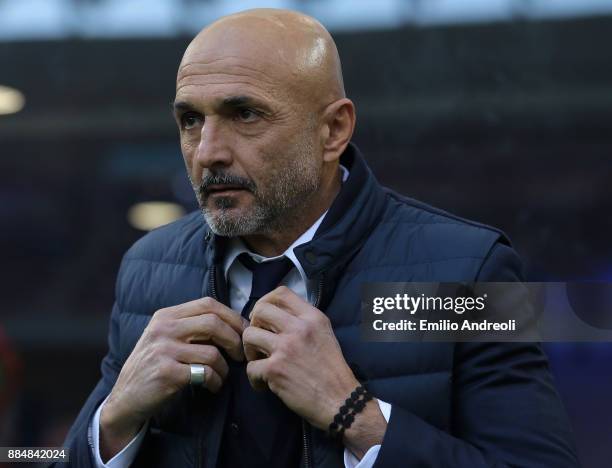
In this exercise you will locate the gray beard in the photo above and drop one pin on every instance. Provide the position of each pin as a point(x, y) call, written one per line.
point(224, 223)
point(278, 209)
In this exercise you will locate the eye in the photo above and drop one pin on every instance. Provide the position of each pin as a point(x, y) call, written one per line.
point(247, 115)
point(190, 120)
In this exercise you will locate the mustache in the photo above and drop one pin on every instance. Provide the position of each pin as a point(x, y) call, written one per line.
point(222, 178)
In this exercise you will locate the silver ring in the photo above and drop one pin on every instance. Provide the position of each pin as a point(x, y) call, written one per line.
point(198, 375)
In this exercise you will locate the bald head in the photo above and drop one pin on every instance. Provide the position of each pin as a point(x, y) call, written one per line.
point(290, 50)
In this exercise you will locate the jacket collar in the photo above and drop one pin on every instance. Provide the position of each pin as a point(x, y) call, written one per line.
point(353, 214)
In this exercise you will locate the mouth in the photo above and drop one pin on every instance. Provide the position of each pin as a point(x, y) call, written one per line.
point(224, 189)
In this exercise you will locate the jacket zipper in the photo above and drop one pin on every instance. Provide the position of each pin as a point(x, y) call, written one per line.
point(305, 427)
point(213, 282)
point(90, 438)
point(307, 458)
point(213, 290)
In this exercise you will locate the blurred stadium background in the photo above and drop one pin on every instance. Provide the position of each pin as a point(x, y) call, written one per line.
point(496, 110)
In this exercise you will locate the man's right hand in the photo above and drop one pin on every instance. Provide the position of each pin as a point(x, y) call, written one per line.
point(158, 367)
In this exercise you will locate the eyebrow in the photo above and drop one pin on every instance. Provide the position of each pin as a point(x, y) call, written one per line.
point(238, 101)
point(230, 102)
point(181, 106)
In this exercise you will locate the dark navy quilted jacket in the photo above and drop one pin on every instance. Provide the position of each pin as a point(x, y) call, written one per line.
point(454, 405)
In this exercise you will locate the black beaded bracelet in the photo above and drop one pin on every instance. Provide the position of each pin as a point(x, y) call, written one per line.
point(353, 405)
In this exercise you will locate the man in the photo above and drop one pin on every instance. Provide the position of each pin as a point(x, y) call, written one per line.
point(265, 132)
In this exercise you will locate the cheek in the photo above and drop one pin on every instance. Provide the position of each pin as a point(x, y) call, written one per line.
point(263, 171)
point(188, 149)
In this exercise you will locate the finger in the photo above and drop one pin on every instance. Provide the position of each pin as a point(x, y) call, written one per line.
point(256, 372)
point(190, 353)
point(257, 341)
point(270, 317)
point(212, 380)
point(285, 299)
point(210, 328)
point(208, 305)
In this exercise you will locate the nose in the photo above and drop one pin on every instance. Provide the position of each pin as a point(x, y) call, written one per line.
point(214, 147)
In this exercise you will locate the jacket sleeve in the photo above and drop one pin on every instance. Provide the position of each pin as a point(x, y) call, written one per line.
point(78, 439)
point(505, 409)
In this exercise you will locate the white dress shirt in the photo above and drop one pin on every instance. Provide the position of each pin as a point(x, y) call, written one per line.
point(239, 278)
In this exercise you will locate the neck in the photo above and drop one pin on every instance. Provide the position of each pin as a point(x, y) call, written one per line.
point(276, 242)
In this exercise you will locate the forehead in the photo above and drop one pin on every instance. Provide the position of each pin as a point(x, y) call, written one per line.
point(235, 64)
point(228, 76)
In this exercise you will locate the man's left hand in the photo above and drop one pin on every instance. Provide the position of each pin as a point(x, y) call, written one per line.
point(292, 349)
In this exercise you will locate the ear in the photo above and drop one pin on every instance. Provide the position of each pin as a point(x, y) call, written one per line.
point(338, 126)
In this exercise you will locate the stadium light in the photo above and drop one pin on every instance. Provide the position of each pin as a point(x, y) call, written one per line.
point(11, 100)
point(150, 215)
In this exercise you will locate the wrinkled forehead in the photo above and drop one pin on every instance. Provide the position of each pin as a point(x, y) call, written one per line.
point(281, 60)
point(252, 50)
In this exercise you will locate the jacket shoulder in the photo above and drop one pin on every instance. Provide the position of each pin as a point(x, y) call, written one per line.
point(164, 268)
point(415, 233)
point(181, 242)
point(408, 211)
point(415, 211)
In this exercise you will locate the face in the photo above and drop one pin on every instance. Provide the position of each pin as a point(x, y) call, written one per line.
point(249, 146)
